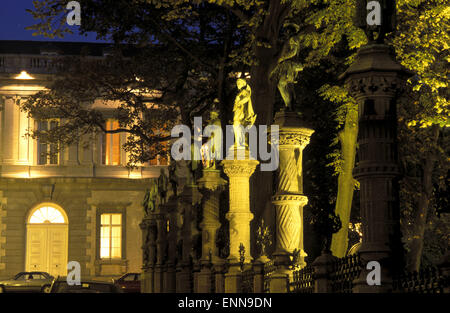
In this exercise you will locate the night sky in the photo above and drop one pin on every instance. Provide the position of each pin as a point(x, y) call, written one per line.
point(14, 19)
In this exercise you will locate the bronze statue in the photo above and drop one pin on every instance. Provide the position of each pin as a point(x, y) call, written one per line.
point(149, 202)
point(163, 186)
point(287, 70)
point(213, 148)
point(173, 177)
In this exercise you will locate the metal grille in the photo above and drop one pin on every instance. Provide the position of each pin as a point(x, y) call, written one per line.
point(428, 280)
point(247, 281)
point(303, 280)
point(345, 271)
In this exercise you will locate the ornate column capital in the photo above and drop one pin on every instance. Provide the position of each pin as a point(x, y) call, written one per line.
point(239, 168)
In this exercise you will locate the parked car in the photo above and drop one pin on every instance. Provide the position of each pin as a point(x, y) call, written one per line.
point(129, 283)
point(60, 285)
point(27, 282)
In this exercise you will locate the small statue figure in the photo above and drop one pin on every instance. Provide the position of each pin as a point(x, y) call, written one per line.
point(195, 163)
point(172, 177)
point(162, 187)
point(244, 116)
point(149, 202)
point(287, 70)
point(146, 202)
point(216, 139)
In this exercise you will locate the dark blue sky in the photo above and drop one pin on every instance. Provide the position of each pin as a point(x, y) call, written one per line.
point(14, 19)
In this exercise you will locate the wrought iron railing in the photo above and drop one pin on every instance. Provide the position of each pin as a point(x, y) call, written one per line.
point(344, 271)
point(303, 280)
point(428, 280)
point(247, 281)
point(269, 268)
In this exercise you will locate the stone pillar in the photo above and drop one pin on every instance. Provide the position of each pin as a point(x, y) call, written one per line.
point(170, 274)
point(258, 278)
point(161, 244)
point(374, 80)
point(24, 153)
point(10, 130)
point(239, 215)
point(289, 199)
point(188, 198)
point(210, 186)
point(323, 266)
point(148, 227)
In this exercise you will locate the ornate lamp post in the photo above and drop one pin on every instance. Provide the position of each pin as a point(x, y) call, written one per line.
point(375, 80)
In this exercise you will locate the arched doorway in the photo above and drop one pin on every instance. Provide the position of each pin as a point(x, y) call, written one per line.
point(47, 237)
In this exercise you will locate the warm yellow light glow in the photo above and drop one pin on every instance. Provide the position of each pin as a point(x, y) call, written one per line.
point(111, 236)
point(24, 75)
point(46, 214)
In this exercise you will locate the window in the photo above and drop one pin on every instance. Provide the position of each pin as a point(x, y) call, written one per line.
point(111, 145)
point(110, 236)
point(46, 214)
point(47, 153)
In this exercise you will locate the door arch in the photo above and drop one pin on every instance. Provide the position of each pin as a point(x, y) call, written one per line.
point(47, 239)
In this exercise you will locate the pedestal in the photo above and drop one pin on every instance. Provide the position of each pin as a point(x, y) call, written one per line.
point(239, 215)
point(211, 185)
point(289, 199)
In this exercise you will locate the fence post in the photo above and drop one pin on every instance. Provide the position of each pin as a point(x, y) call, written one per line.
point(323, 267)
point(258, 278)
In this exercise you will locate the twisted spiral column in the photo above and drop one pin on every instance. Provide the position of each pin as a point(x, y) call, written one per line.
point(289, 199)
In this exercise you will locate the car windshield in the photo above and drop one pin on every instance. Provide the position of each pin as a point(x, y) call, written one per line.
point(63, 287)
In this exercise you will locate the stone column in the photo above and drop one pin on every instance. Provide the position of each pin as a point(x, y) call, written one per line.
point(170, 274)
point(210, 186)
point(161, 243)
point(148, 227)
point(374, 80)
point(24, 153)
point(289, 199)
point(10, 130)
point(188, 198)
point(239, 215)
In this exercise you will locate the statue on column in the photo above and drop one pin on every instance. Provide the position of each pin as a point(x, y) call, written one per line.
point(195, 163)
point(163, 186)
point(173, 177)
point(213, 151)
point(287, 69)
point(244, 116)
point(149, 202)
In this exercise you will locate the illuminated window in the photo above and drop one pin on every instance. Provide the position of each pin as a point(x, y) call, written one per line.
point(110, 236)
point(46, 214)
point(111, 145)
point(47, 153)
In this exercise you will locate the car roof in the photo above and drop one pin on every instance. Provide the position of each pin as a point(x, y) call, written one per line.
point(45, 273)
point(86, 280)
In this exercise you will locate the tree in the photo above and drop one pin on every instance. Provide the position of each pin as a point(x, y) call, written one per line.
point(421, 44)
point(218, 38)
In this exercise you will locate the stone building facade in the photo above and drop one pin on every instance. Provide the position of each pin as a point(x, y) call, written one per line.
point(82, 204)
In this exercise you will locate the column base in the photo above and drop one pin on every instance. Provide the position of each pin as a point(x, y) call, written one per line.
point(183, 280)
point(233, 280)
point(158, 279)
point(279, 282)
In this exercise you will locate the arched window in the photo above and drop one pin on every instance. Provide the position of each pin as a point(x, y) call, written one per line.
point(46, 215)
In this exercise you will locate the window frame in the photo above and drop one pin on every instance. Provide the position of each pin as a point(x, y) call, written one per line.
point(49, 147)
point(107, 151)
point(99, 213)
